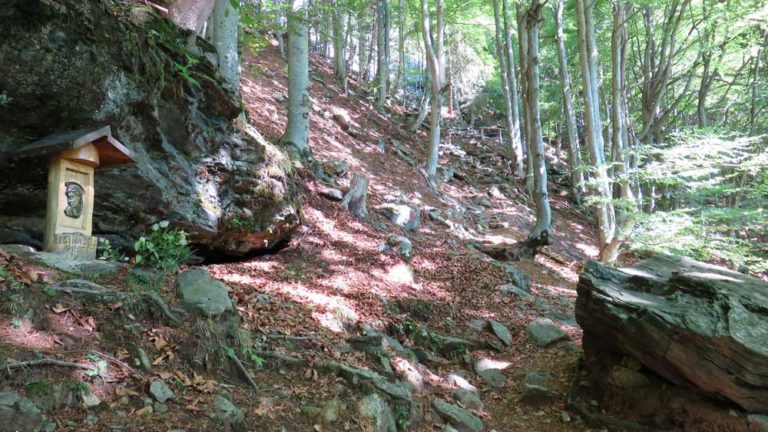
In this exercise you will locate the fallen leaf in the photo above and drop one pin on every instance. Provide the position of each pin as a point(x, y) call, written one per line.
point(59, 308)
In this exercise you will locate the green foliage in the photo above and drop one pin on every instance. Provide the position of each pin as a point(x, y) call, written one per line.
point(108, 253)
point(164, 249)
point(248, 353)
point(402, 417)
point(7, 278)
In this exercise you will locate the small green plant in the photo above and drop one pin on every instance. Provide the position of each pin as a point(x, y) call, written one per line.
point(163, 249)
point(108, 253)
point(140, 283)
point(16, 322)
point(402, 417)
point(250, 354)
point(101, 367)
point(177, 383)
point(82, 387)
point(7, 278)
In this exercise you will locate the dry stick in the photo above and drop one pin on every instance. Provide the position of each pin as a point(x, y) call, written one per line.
point(12, 364)
point(295, 338)
point(240, 366)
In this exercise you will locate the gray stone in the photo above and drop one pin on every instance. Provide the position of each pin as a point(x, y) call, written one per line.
point(91, 419)
point(502, 332)
point(537, 378)
point(692, 323)
point(336, 168)
point(90, 400)
point(536, 395)
point(201, 293)
point(160, 408)
point(438, 217)
point(477, 324)
point(469, 399)
point(331, 194)
point(364, 376)
point(459, 418)
point(513, 290)
point(18, 413)
point(227, 410)
point(405, 217)
point(493, 378)
point(374, 408)
point(17, 249)
point(544, 332)
point(402, 245)
point(160, 391)
point(517, 277)
point(89, 268)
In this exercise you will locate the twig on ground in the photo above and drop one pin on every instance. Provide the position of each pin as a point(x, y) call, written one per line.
point(293, 338)
point(13, 364)
point(242, 369)
point(163, 307)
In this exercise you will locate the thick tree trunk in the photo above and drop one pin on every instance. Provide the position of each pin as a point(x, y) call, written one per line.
point(191, 14)
point(574, 148)
point(339, 59)
point(592, 124)
point(356, 197)
point(434, 68)
point(382, 52)
point(362, 37)
point(523, 46)
point(225, 25)
point(532, 24)
point(297, 131)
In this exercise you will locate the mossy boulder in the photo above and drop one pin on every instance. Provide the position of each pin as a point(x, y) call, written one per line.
point(69, 64)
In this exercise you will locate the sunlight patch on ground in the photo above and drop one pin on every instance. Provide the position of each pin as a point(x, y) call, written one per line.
point(20, 333)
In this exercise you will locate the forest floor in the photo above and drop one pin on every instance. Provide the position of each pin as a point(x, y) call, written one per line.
point(332, 280)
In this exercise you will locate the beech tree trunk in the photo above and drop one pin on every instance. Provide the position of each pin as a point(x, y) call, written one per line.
point(515, 149)
point(399, 81)
point(225, 25)
point(339, 59)
point(593, 124)
point(574, 147)
point(514, 96)
point(362, 42)
point(297, 130)
point(531, 21)
point(382, 51)
point(434, 68)
point(426, 97)
point(191, 14)
point(523, 46)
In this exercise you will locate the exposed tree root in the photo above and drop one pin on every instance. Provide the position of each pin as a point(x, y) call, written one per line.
point(13, 364)
point(525, 250)
point(242, 370)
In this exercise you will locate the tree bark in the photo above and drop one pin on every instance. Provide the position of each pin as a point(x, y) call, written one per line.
point(339, 59)
point(297, 130)
point(574, 148)
point(592, 124)
point(382, 52)
point(399, 81)
point(514, 96)
point(356, 197)
point(523, 46)
point(225, 26)
point(191, 14)
point(362, 37)
point(432, 58)
point(426, 97)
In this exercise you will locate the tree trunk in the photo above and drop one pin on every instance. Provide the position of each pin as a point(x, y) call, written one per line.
point(382, 52)
point(523, 46)
point(592, 124)
point(339, 59)
point(362, 37)
point(225, 25)
point(399, 81)
point(434, 68)
point(297, 130)
point(356, 197)
point(514, 96)
point(574, 147)
point(191, 14)
point(531, 21)
point(277, 4)
point(426, 97)
point(515, 151)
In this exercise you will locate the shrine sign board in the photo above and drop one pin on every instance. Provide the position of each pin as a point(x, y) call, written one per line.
point(74, 157)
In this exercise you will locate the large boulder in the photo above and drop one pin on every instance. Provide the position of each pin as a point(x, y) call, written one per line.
point(69, 64)
point(694, 324)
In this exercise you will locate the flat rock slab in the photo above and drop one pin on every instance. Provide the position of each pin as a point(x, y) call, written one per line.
point(90, 268)
point(160, 391)
point(459, 418)
point(199, 292)
point(502, 332)
point(378, 411)
point(544, 332)
point(493, 378)
point(690, 322)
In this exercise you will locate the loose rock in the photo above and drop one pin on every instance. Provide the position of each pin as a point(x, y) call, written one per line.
point(160, 391)
point(502, 332)
point(227, 410)
point(378, 411)
point(493, 378)
point(462, 420)
point(201, 293)
point(405, 217)
point(544, 332)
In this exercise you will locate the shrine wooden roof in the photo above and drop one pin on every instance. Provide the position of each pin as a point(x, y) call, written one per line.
point(111, 151)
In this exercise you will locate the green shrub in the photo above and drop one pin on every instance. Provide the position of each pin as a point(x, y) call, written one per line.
point(164, 249)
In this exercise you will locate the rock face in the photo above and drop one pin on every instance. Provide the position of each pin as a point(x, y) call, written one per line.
point(691, 323)
point(69, 65)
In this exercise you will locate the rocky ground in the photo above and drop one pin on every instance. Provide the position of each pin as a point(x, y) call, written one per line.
point(393, 322)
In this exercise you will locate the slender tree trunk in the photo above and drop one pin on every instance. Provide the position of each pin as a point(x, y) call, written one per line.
point(574, 147)
point(225, 25)
point(434, 69)
point(755, 83)
point(515, 150)
point(191, 14)
point(592, 124)
point(339, 59)
point(362, 37)
point(514, 96)
point(382, 52)
point(531, 21)
point(297, 130)
point(399, 81)
point(523, 45)
point(277, 4)
point(426, 97)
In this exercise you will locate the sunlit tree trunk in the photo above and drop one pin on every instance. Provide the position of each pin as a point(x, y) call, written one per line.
point(530, 26)
point(339, 59)
point(514, 96)
point(523, 46)
point(382, 52)
point(277, 4)
point(426, 97)
point(225, 24)
point(515, 150)
point(297, 130)
point(191, 14)
point(593, 124)
point(574, 147)
point(432, 58)
point(399, 81)
point(362, 41)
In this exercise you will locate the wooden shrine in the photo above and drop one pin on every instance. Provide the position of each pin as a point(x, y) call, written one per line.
point(74, 156)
